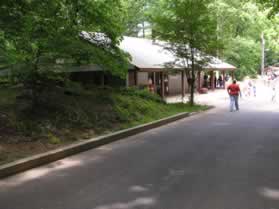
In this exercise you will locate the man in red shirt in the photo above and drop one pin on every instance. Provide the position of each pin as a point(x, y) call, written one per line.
point(234, 91)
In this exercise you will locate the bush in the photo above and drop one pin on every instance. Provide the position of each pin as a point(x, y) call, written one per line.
point(73, 88)
point(4, 81)
point(145, 94)
point(53, 139)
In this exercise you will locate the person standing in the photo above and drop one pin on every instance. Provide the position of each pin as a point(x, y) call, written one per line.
point(234, 92)
point(220, 81)
point(254, 89)
point(273, 95)
point(250, 88)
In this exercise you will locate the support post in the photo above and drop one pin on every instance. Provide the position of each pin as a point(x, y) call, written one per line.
point(168, 85)
point(183, 85)
point(163, 84)
point(127, 80)
point(199, 81)
point(232, 75)
point(136, 78)
point(224, 80)
point(212, 80)
point(154, 82)
point(103, 79)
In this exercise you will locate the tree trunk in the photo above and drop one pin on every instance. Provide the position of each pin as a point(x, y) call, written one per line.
point(192, 83)
point(32, 82)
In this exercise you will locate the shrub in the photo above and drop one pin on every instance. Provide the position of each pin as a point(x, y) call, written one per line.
point(52, 139)
point(145, 94)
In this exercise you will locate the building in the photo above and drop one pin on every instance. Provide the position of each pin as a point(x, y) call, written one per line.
point(155, 66)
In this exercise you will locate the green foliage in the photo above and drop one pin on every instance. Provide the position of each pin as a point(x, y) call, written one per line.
point(135, 15)
point(144, 94)
point(185, 22)
point(35, 34)
point(273, 5)
point(245, 54)
point(73, 88)
point(53, 139)
point(99, 110)
point(140, 106)
point(25, 127)
point(4, 81)
point(240, 25)
point(272, 42)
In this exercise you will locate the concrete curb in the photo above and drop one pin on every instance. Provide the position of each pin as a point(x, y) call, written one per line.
point(57, 154)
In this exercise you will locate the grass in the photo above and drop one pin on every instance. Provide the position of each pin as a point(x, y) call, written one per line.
point(66, 115)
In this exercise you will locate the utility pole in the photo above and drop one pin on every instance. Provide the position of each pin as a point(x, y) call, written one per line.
point(263, 54)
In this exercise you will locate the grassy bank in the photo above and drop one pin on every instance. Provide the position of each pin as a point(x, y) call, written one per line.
point(66, 115)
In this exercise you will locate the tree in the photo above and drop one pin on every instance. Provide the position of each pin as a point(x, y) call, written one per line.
point(240, 25)
point(273, 5)
point(137, 16)
point(190, 28)
point(245, 54)
point(35, 34)
point(135, 11)
point(272, 41)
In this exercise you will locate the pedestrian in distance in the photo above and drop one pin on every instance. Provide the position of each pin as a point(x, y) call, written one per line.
point(234, 92)
point(254, 89)
point(250, 88)
point(220, 81)
point(273, 94)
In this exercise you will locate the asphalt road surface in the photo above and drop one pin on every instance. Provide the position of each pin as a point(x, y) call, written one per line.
point(216, 160)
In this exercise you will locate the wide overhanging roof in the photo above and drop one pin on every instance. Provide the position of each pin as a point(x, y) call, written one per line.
point(147, 55)
point(217, 64)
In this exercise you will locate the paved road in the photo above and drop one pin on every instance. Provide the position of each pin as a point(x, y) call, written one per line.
point(217, 160)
